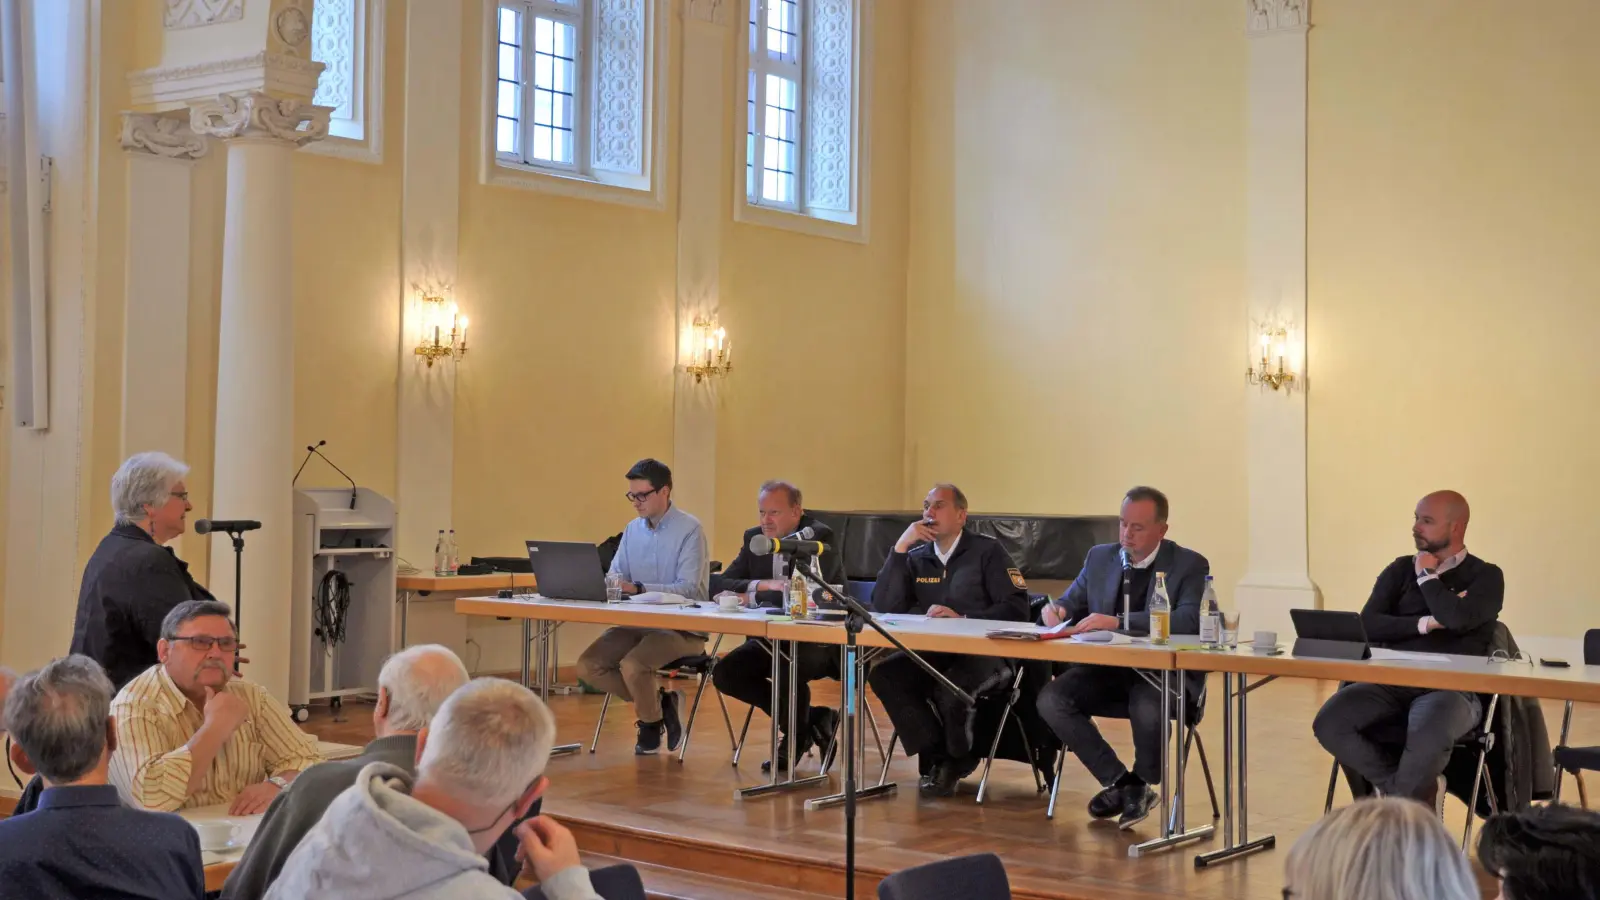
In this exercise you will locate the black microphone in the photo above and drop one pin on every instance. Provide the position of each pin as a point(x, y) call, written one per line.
point(1127, 591)
point(229, 526)
point(312, 448)
point(761, 545)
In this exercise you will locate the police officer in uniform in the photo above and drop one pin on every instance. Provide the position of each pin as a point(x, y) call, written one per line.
point(943, 571)
point(746, 673)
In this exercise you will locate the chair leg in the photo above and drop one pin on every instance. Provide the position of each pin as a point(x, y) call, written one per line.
point(883, 776)
point(1566, 726)
point(994, 746)
point(1055, 786)
point(1333, 781)
point(1583, 792)
point(604, 705)
point(872, 724)
point(738, 746)
point(694, 710)
point(1027, 747)
point(1472, 799)
point(1205, 769)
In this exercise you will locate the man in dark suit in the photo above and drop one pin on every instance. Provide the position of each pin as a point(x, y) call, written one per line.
point(1094, 602)
point(941, 570)
point(1442, 600)
point(746, 673)
point(81, 841)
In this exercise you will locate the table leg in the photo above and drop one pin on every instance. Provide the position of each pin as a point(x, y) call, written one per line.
point(883, 788)
point(527, 650)
point(773, 785)
point(1172, 826)
point(1245, 846)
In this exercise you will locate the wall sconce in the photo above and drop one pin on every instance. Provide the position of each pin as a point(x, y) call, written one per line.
point(444, 330)
point(1275, 343)
point(711, 353)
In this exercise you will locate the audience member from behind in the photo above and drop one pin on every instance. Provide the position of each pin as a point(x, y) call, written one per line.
point(480, 766)
point(81, 841)
point(193, 735)
point(412, 685)
point(1543, 852)
point(1380, 849)
point(133, 579)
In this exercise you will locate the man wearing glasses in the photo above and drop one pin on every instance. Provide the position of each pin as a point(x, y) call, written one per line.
point(190, 734)
point(663, 550)
point(133, 580)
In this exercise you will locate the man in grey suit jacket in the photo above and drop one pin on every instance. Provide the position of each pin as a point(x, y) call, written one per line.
point(1094, 602)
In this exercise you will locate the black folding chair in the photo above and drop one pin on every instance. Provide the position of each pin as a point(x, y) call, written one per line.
point(980, 877)
point(1578, 760)
point(700, 664)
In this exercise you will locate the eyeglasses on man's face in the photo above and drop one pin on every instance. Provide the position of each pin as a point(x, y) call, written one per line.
point(204, 643)
point(641, 496)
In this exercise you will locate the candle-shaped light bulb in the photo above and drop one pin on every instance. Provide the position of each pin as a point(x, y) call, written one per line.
point(463, 332)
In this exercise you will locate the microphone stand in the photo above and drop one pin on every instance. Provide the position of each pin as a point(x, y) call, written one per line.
point(238, 582)
point(857, 618)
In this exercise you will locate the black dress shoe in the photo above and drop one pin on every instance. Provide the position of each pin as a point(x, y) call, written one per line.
point(944, 780)
point(783, 753)
point(1136, 805)
point(1107, 803)
point(671, 702)
point(823, 729)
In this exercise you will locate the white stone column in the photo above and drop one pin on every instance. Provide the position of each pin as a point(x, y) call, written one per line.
point(255, 363)
point(701, 180)
point(1278, 578)
point(161, 150)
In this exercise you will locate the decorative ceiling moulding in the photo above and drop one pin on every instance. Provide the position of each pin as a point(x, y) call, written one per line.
point(1264, 17)
point(717, 12)
point(195, 13)
point(258, 116)
point(178, 86)
point(168, 137)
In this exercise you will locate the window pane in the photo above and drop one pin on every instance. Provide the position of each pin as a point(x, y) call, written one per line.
point(541, 108)
point(510, 28)
point(505, 135)
point(755, 28)
point(543, 66)
point(783, 28)
point(509, 99)
point(543, 38)
point(779, 152)
point(541, 142)
point(561, 76)
point(562, 151)
point(509, 56)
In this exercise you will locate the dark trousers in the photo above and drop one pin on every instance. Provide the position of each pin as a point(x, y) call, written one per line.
point(1070, 704)
point(929, 718)
point(1353, 723)
point(746, 674)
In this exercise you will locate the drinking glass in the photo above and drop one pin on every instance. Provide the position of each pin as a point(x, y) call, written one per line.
point(1230, 629)
point(614, 583)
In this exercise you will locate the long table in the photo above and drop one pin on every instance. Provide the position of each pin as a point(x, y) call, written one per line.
point(409, 587)
point(1473, 674)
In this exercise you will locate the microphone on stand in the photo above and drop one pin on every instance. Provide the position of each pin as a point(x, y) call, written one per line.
point(761, 545)
point(313, 449)
point(1127, 592)
point(226, 526)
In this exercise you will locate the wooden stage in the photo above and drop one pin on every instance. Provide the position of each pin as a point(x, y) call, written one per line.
point(694, 840)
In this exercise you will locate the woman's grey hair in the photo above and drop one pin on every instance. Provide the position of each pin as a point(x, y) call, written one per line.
point(488, 742)
point(418, 680)
point(143, 479)
point(1381, 849)
point(188, 611)
point(58, 715)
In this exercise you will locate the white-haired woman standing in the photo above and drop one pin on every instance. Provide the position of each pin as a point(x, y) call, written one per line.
point(1382, 849)
point(133, 580)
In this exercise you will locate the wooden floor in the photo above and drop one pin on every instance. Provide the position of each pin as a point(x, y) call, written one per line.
point(656, 811)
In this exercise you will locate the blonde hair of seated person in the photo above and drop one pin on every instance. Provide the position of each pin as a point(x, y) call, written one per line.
point(1380, 849)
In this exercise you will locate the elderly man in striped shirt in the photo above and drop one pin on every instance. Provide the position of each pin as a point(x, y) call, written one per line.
point(191, 734)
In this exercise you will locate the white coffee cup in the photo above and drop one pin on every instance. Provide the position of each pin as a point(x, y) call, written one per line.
point(729, 602)
point(1266, 640)
point(217, 835)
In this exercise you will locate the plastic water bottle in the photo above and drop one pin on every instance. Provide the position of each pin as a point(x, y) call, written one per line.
point(1210, 617)
point(797, 597)
point(452, 553)
point(1160, 612)
point(441, 557)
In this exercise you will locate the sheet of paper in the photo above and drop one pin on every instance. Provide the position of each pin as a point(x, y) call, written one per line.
point(1379, 653)
point(1056, 629)
point(657, 598)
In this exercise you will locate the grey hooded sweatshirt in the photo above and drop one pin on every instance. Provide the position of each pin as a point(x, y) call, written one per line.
point(377, 843)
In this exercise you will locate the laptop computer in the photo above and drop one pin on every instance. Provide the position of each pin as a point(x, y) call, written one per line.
point(1330, 634)
point(567, 570)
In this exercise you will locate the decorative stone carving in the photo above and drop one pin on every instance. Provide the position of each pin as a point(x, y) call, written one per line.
point(619, 86)
point(276, 72)
point(1269, 16)
point(166, 136)
point(333, 43)
point(260, 116)
point(290, 27)
point(195, 13)
point(717, 12)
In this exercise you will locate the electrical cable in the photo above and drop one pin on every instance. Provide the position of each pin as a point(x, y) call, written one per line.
point(331, 607)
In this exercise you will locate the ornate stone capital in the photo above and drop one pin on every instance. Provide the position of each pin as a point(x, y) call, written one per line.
point(1276, 16)
point(260, 116)
point(168, 137)
point(175, 87)
point(717, 12)
point(195, 13)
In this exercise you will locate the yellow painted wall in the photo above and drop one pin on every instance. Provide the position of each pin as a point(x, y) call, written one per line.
point(821, 326)
point(1454, 273)
point(1076, 277)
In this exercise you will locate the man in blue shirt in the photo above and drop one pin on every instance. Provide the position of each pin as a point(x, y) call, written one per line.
point(663, 550)
point(81, 841)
